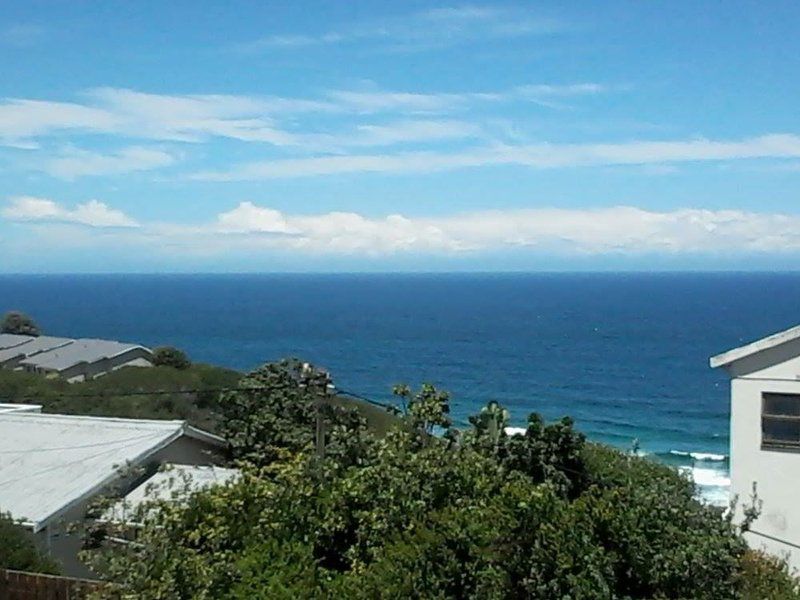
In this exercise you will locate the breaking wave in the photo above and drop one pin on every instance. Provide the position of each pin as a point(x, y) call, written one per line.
point(700, 456)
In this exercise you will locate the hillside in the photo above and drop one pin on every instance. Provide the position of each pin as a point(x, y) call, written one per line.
point(154, 393)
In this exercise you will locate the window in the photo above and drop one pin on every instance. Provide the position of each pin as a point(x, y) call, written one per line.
point(780, 421)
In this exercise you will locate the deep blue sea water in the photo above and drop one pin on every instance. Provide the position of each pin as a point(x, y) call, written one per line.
point(625, 354)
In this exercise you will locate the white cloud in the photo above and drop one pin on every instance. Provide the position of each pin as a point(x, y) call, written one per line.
point(259, 119)
point(623, 229)
point(91, 213)
point(430, 28)
point(626, 230)
point(411, 131)
point(128, 113)
point(248, 218)
point(540, 156)
point(378, 100)
point(24, 119)
point(77, 163)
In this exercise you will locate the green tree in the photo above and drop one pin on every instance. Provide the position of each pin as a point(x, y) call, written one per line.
point(169, 356)
point(18, 549)
point(19, 323)
point(287, 407)
point(417, 515)
point(428, 409)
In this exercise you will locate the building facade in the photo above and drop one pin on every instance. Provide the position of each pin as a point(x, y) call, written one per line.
point(765, 439)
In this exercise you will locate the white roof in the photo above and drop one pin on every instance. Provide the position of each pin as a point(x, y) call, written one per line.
point(170, 483)
point(20, 408)
point(776, 339)
point(50, 462)
point(33, 346)
point(9, 340)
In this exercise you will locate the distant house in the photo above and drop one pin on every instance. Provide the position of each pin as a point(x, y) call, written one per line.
point(765, 437)
point(73, 360)
point(16, 351)
point(53, 466)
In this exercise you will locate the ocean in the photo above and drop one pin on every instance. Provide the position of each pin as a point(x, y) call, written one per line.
point(624, 354)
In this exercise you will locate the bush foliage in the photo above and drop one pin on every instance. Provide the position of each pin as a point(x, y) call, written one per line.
point(337, 512)
point(19, 323)
point(169, 356)
point(127, 393)
point(18, 550)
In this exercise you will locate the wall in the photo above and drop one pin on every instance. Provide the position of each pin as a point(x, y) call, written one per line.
point(776, 473)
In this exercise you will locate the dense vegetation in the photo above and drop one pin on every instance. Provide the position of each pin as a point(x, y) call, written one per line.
point(162, 392)
point(19, 323)
point(326, 509)
point(130, 392)
point(18, 550)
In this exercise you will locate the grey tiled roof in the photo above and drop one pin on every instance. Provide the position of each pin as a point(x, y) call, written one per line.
point(33, 347)
point(79, 351)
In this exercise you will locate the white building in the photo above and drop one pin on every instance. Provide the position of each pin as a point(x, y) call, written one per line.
point(765, 438)
point(53, 466)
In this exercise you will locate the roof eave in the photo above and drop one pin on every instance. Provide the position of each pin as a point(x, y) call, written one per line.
point(771, 341)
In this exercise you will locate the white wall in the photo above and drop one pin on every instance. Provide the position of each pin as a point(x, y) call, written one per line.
point(775, 472)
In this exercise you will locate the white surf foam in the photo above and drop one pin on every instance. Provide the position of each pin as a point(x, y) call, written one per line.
point(700, 456)
point(713, 484)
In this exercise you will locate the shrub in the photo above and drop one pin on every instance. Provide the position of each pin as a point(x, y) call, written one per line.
point(763, 576)
point(18, 549)
point(168, 356)
point(19, 323)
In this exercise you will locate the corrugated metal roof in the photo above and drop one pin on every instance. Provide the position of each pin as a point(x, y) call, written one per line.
point(34, 346)
point(9, 340)
point(171, 483)
point(49, 462)
point(83, 350)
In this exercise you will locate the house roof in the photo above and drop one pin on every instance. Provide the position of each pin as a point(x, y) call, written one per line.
point(33, 346)
point(48, 463)
point(18, 408)
point(772, 341)
point(170, 483)
point(79, 351)
point(9, 340)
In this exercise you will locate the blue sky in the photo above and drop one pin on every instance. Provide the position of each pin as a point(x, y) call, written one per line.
point(378, 136)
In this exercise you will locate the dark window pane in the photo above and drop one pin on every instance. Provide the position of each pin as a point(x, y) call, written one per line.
point(780, 430)
point(782, 404)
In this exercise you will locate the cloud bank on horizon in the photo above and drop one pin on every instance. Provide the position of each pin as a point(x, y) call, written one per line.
point(412, 130)
point(586, 231)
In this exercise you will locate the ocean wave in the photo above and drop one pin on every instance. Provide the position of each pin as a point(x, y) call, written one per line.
point(700, 456)
point(707, 477)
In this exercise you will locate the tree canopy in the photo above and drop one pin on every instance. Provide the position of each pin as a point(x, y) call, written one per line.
point(169, 356)
point(19, 323)
point(326, 509)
